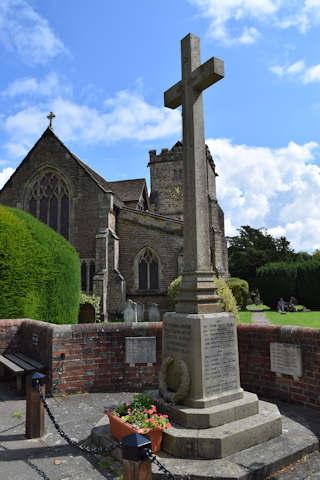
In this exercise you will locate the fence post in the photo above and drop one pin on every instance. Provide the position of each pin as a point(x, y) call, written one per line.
point(35, 427)
point(135, 464)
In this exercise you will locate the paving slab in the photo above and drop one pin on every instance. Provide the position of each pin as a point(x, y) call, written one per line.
point(50, 458)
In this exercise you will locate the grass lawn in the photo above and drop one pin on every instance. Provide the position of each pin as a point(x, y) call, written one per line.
point(245, 317)
point(300, 319)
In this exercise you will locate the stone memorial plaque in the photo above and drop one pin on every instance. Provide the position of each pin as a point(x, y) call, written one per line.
point(220, 357)
point(286, 358)
point(140, 350)
point(177, 338)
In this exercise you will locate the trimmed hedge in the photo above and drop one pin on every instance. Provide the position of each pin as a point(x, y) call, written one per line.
point(39, 270)
point(308, 283)
point(240, 290)
point(227, 300)
point(276, 280)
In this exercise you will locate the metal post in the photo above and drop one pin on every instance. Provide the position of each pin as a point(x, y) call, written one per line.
point(35, 426)
point(136, 466)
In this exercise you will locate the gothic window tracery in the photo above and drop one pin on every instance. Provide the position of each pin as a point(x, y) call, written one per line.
point(49, 202)
point(148, 270)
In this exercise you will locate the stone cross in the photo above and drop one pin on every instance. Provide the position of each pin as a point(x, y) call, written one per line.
point(197, 289)
point(50, 117)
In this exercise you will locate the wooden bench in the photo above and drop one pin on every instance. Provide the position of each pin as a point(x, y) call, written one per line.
point(20, 365)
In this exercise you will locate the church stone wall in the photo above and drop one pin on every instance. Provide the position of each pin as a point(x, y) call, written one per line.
point(89, 205)
point(137, 230)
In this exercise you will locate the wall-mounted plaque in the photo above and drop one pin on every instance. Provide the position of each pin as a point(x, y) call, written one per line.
point(286, 358)
point(140, 350)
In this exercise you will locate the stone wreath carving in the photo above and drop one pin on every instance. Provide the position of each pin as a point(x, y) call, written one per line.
point(184, 383)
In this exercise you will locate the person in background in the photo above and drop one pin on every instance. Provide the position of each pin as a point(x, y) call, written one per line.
point(282, 306)
point(292, 306)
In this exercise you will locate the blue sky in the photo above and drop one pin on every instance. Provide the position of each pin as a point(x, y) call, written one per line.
point(102, 67)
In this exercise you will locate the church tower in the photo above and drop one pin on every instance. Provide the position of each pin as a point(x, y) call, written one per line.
point(166, 198)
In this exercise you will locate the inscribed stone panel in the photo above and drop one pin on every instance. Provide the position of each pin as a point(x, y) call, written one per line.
point(286, 358)
point(140, 350)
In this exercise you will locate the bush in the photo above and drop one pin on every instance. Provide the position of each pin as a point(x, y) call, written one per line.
point(276, 280)
point(308, 283)
point(227, 300)
point(240, 291)
point(39, 270)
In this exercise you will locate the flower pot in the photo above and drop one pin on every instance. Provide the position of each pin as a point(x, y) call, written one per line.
point(120, 429)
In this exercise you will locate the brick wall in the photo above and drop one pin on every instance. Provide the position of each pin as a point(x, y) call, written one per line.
point(254, 358)
point(9, 336)
point(94, 357)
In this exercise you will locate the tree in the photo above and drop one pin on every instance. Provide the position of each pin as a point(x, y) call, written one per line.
point(253, 248)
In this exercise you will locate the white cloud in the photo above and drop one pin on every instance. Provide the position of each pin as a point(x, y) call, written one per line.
point(5, 174)
point(260, 185)
point(312, 74)
point(299, 71)
point(45, 87)
point(24, 31)
point(233, 22)
point(126, 116)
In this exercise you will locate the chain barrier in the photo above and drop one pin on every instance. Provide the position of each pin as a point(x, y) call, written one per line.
point(96, 450)
point(84, 449)
point(162, 468)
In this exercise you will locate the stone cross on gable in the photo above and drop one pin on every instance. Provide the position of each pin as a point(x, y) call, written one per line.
point(50, 117)
point(196, 292)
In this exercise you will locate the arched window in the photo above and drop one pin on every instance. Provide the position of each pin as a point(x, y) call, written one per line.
point(49, 202)
point(84, 277)
point(148, 266)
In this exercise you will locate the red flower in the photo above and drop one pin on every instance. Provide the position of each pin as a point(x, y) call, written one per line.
point(168, 425)
point(129, 410)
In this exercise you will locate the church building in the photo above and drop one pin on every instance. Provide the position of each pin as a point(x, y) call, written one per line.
point(130, 243)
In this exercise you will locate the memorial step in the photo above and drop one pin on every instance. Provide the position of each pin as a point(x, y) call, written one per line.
point(225, 440)
point(212, 416)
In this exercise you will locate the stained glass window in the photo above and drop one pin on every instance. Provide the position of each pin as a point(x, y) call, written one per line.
point(148, 270)
point(49, 202)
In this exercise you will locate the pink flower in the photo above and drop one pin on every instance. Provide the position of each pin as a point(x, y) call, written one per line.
point(168, 425)
point(129, 410)
point(127, 403)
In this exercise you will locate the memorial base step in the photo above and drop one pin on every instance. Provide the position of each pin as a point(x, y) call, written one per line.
point(214, 416)
point(225, 440)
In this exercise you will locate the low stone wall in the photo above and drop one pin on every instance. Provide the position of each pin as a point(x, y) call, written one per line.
point(90, 357)
point(254, 357)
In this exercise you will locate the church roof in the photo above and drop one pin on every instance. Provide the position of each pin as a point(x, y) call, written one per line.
point(125, 191)
point(128, 190)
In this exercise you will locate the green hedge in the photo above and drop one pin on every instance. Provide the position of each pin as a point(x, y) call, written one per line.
point(227, 300)
point(240, 291)
point(276, 280)
point(308, 283)
point(39, 270)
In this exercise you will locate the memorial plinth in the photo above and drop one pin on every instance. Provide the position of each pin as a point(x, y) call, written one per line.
point(207, 343)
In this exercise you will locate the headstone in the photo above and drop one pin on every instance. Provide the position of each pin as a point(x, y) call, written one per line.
point(130, 312)
point(87, 313)
point(286, 358)
point(140, 311)
point(154, 314)
point(140, 350)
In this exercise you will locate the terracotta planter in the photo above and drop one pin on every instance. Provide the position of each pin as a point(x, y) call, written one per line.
point(120, 429)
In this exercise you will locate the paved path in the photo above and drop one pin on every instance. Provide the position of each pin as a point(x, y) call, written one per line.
point(258, 316)
point(50, 458)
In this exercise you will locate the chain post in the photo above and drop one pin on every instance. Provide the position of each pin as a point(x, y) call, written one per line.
point(136, 466)
point(35, 423)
